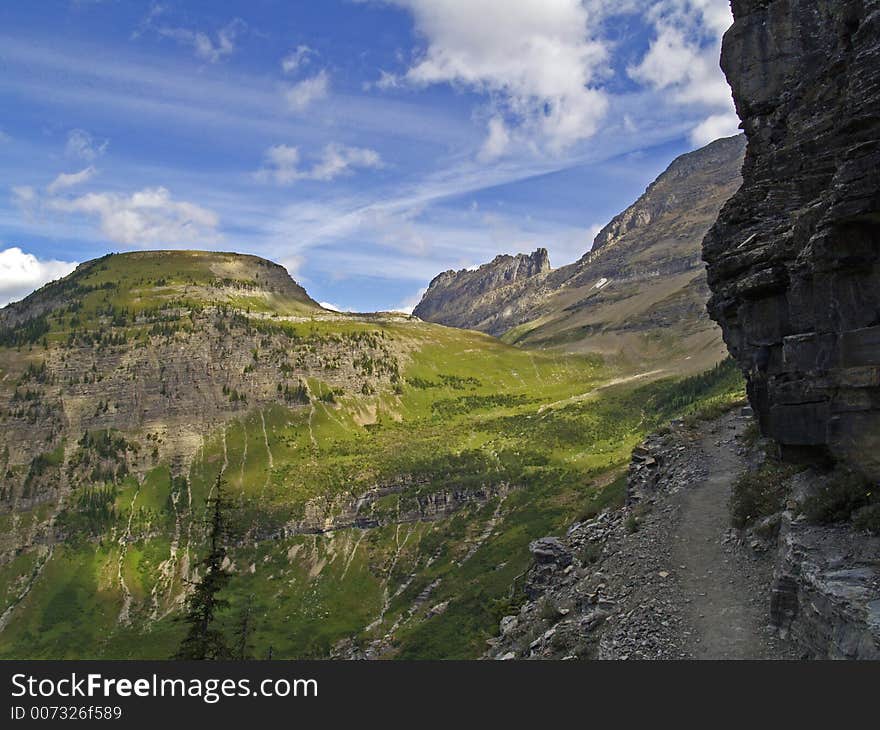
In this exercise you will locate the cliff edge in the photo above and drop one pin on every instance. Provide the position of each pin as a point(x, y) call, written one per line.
point(794, 258)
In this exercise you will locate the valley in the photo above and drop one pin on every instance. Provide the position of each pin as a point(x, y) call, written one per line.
point(386, 474)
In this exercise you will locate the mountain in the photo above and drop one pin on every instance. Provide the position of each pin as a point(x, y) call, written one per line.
point(459, 298)
point(384, 474)
point(638, 295)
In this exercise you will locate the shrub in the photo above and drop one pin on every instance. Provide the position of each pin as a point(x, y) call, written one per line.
point(590, 553)
point(838, 499)
point(631, 524)
point(550, 611)
point(758, 494)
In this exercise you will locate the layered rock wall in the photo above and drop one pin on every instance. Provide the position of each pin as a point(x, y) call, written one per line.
point(794, 259)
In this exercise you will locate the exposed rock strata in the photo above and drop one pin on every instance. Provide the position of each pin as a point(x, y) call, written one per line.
point(366, 511)
point(465, 298)
point(643, 272)
point(794, 259)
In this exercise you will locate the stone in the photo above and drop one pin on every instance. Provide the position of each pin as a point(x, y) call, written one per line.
point(508, 624)
point(550, 550)
point(793, 259)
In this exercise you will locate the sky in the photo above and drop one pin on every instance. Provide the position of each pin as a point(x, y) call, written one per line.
point(366, 145)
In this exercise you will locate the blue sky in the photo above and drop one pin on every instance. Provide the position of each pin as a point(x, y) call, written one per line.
point(367, 145)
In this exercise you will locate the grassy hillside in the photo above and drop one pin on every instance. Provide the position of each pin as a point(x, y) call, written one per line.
point(382, 501)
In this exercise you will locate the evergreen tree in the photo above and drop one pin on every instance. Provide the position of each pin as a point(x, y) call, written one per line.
point(244, 630)
point(203, 639)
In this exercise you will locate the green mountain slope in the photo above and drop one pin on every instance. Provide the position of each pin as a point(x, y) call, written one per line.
point(386, 474)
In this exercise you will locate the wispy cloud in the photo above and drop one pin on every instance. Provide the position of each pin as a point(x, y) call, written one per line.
point(303, 94)
point(207, 46)
point(229, 104)
point(298, 57)
point(282, 163)
point(69, 180)
point(83, 146)
point(147, 217)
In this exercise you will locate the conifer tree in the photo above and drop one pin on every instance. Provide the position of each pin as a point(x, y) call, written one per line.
point(244, 630)
point(203, 639)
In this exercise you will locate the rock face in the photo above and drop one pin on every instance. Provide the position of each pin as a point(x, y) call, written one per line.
point(468, 298)
point(643, 274)
point(794, 259)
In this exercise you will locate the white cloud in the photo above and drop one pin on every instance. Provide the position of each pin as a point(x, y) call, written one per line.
point(302, 95)
point(4, 138)
point(81, 145)
point(715, 127)
point(538, 60)
point(21, 273)
point(68, 180)
point(331, 307)
point(298, 57)
point(282, 163)
point(149, 216)
point(682, 61)
point(497, 141)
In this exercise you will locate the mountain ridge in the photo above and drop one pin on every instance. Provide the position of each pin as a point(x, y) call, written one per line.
point(644, 271)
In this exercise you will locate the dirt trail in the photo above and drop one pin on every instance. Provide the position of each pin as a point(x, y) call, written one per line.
point(728, 617)
point(666, 578)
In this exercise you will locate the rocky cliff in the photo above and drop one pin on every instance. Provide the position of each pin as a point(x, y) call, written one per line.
point(642, 277)
point(470, 298)
point(794, 259)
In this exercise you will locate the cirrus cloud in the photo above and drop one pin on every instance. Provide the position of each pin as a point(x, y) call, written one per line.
point(83, 146)
point(298, 57)
point(68, 180)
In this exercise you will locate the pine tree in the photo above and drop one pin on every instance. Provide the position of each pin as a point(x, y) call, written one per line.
point(203, 639)
point(243, 632)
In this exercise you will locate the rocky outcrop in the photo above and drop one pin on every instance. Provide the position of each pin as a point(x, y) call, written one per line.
point(470, 298)
point(369, 510)
point(794, 259)
point(826, 593)
point(643, 272)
